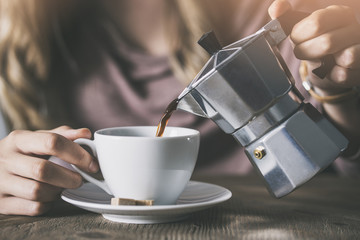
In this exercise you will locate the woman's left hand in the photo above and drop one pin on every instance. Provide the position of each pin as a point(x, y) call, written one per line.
point(335, 31)
point(330, 31)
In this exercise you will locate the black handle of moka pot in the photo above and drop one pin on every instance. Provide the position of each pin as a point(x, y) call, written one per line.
point(288, 21)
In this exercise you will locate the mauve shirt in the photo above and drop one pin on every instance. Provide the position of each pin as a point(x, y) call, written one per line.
point(112, 83)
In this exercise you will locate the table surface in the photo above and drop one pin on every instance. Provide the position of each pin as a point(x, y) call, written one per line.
point(327, 207)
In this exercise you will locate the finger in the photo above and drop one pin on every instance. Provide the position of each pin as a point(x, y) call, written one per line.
point(328, 43)
point(55, 145)
point(29, 189)
point(349, 58)
point(322, 21)
point(345, 77)
point(339, 78)
point(278, 8)
point(19, 206)
point(72, 134)
point(44, 171)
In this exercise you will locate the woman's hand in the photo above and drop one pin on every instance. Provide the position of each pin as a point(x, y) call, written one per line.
point(334, 31)
point(330, 31)
point(28, 181)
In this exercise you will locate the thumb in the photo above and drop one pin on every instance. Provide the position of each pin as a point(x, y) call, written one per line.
point(72, 134)
point(278, 8)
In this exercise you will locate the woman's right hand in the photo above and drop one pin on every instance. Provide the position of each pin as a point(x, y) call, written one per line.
point(28, 181)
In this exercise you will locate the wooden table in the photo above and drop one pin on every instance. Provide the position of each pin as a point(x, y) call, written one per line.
point(327, 207)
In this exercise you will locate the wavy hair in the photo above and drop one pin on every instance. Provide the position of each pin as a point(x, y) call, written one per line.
point(187, 57)
point(26, 37)
point(24, 54)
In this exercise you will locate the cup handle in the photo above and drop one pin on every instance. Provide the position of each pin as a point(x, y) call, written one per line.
point(91, 145)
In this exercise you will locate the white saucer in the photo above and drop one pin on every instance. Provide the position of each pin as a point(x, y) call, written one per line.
point(196, 196)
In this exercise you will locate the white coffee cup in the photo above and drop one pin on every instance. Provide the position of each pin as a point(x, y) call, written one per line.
point(138, 165)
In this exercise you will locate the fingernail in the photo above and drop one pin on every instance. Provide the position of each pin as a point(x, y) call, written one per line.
point(93, 167)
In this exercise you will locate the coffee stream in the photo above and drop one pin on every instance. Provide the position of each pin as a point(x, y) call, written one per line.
point(166, 116)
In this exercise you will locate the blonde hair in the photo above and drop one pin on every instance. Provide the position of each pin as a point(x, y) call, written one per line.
point(24, 62)
point(187, 57)
point(25, 45)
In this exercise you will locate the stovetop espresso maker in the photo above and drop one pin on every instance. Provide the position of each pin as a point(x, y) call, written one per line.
point(248, 91)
